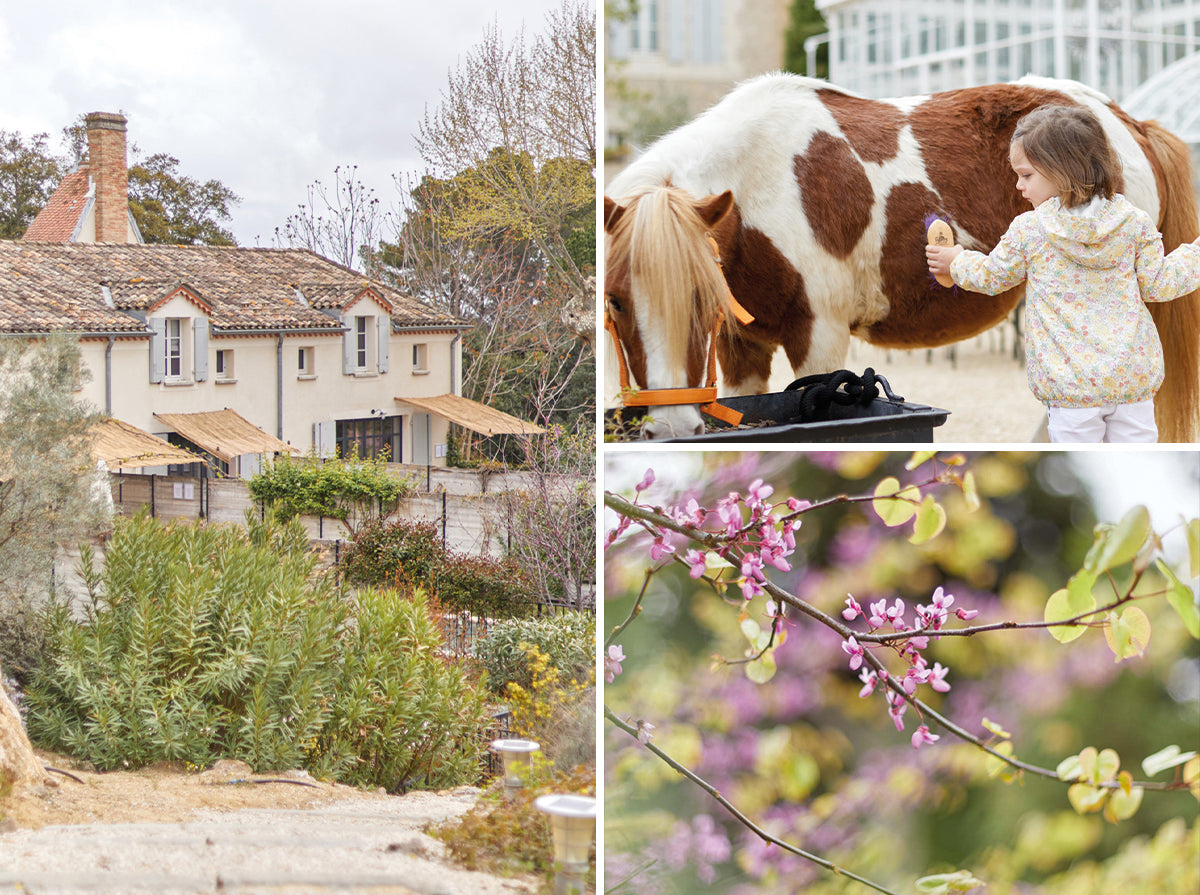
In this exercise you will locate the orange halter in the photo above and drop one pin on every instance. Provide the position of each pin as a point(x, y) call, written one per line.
point(706, 397)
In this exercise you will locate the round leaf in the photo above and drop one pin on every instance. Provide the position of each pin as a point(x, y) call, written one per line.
point(931, 519)
point(1122, 805)
point(1180, 596)
point(1121, 543)
point(1086, 799)
point(1169, 757)
point(893, 505)
point(1128, 633)
point(1069, 602)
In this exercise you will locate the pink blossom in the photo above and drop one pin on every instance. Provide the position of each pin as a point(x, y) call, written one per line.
point(661, 547)
point(645, 732)
point(878, 614)
point(612, 662)
point(851, 648)
point(922, 735)
point(869, 679)
point(695, 561)
point(896, 615)
point(852, 610)
point(758, 492)
point(646, 482)
point(937, 678)
point(896, 707)
point(966, 614)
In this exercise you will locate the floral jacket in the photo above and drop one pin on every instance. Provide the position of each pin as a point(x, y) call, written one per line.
point(1089, 338)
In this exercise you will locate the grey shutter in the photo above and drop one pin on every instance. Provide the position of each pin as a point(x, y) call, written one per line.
point(324, 435)
point(158, 349)
point(385, 341)
point(200, 355)
point(348, 352)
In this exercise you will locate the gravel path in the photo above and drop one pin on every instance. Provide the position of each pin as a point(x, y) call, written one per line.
point(204, 838)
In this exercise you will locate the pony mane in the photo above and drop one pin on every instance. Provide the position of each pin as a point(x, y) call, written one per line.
point(672, 262)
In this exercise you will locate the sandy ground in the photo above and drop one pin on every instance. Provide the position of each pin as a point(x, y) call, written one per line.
point(978, 381)
point(164, 830)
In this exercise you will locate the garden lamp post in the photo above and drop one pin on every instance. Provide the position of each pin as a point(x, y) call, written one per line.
point(572, 823)
point(517, 756)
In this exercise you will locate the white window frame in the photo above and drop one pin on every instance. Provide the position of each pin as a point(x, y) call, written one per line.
point(305, 363)
point(224, 366)
point(175, 360)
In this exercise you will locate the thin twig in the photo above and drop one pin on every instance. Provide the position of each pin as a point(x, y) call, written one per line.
point(742, 818)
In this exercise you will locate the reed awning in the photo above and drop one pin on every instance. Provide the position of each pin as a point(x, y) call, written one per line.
point(123, 446)
point(474, 416)
point(225, 434)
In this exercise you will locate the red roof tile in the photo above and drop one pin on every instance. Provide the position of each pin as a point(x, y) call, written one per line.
point(60, 216)
point(91, 288)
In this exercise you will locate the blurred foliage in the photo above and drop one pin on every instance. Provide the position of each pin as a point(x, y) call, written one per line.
point(812, 763)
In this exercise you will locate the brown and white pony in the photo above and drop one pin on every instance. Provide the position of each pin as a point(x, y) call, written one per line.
point(817, 200)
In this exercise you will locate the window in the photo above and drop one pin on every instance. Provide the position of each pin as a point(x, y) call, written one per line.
point(174, 348)
point(362, 345)
point(371, 437)
point(304, 362)
point(421, 358)
point(225, 365)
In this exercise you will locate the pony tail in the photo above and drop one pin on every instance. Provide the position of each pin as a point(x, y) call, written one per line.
point(1177, 408)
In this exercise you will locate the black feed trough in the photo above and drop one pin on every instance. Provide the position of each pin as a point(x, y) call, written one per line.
point(834, 407)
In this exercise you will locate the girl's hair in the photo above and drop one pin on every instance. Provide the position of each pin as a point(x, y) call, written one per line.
point(1067, 144)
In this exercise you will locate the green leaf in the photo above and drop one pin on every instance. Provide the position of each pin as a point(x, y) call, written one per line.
point(1085, 798)
point(941, 883)
point(999, 768)
point(1168, 757)
point(1119, 544)
point(1193, 541)
point(893, 505)
point(1069, 768)
point(996, 729)
point(761, 669)
point(970, 492)
point(1128, 633)
point(1122, 805)
point(918, 458)
point(1070, 602)
point(1182, 600)
point(931, 519)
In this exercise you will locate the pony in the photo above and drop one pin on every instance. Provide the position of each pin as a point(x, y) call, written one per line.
point(807, 206)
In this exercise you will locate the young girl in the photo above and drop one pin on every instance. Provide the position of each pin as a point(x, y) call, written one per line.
point(1090, 260)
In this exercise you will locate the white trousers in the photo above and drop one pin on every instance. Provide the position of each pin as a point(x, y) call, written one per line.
point(1114, 424)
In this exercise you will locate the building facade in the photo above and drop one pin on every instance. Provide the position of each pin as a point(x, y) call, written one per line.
point(308, 351)
point(907, 47)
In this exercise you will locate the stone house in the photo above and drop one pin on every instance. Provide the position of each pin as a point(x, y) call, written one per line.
point(299, 348)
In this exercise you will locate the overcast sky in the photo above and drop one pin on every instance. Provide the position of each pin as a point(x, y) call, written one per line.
point(265, 96)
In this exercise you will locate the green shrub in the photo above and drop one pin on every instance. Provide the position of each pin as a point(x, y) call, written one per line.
point(336, 488)
point(390, 554)
point(201, 644)
point(485, 587)
point(567, 639)
point(408, 718)
point(207, 642)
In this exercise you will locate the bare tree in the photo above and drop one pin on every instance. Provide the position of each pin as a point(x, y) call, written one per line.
point(342, 224)
point(520, 116)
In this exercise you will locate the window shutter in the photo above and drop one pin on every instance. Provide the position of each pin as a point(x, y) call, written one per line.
point(348, 351)
point(324, 438)
point(200, 333)
point(158, 348)
point(385, 341)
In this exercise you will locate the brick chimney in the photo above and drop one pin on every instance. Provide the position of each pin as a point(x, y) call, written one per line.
point(106, 166)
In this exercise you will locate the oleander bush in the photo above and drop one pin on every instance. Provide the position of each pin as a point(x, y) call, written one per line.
point(201, 642)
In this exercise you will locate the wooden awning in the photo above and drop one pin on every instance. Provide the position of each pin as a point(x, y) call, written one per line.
point(122, 446)
point(474, 416)
point(225, 434)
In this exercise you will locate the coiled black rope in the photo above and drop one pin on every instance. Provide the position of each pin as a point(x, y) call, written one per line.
point(821, 390)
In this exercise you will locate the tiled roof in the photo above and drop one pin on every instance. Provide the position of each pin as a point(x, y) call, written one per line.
point(60, 216)
point(52, 285)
